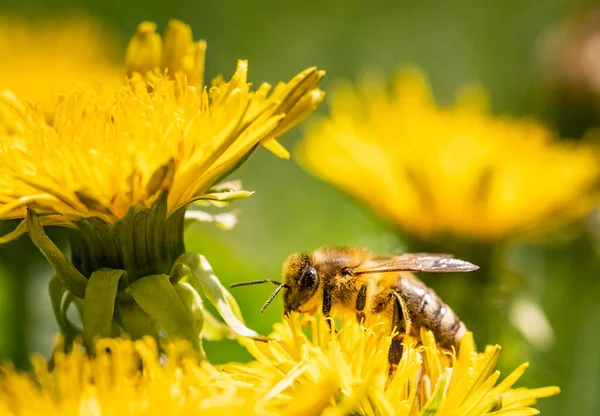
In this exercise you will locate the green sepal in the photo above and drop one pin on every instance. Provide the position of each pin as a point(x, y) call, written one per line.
point(14, 234)
point(200, 275)
point(60, 306)
point(214, 329)
point(136, 323)
point(140, 230)
point(57, 293)
point(70, 277)
point(21, 228)
point(104, 235)
point(435, 401)
point(193, 304)
point(157, 297)
point(229, 186)
point(71, 331)
point(224, 220)
point(78, 302)
point(99, 304)
point(157, 222)
point(124, 229)
point(223, 194)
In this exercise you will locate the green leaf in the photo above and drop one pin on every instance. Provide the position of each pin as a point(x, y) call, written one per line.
point(99, 304)
point(224, 220)
point(202, 278)
point(135, 321)
point(70, 277)
point(157, 297)
point(435, 401)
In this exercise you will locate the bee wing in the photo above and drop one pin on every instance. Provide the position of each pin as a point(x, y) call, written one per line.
point(415, 262)
point(389, 257)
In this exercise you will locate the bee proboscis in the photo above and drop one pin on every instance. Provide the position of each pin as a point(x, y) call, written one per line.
point(349, 281)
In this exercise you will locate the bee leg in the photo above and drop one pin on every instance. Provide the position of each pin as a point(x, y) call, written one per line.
point(361, 301)
point(395, 354)
point(326, 308)
point(400, 325)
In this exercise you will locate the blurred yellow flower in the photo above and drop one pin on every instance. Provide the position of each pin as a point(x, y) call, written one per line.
point(176, 53)
point(41, 59)
point(458, 170)
point(125, 378)
point(328, 374)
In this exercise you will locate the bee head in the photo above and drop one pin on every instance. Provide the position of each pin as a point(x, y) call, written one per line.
point(302, 282)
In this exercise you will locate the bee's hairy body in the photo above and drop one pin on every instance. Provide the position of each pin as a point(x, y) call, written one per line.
point(396, 297)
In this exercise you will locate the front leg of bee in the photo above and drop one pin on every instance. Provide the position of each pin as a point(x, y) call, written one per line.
point(400, 325)
point(361, 302)
point(326, 308)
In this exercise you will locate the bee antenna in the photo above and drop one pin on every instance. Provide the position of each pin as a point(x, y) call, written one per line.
point(277, 290)
point(258, 282)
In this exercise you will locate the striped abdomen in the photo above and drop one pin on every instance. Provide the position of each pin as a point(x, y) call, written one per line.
point(426, 309)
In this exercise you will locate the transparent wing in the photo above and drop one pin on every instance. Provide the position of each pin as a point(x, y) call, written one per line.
point(415, 262)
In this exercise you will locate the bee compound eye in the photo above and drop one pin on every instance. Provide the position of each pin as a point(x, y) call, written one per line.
point(309, 278)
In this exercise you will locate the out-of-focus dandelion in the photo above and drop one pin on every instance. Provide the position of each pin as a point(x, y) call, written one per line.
point(124, 378)
point(570, 69)
point(328, 373)
point(453, 179)
point(41, 59)
point(176, 53)
point(118, 166)
point(432, 170)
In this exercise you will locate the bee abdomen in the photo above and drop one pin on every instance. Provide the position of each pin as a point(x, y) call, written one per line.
point(448, 328)
point(429, 311)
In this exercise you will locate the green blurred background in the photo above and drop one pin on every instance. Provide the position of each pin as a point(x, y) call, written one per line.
point(495, 43)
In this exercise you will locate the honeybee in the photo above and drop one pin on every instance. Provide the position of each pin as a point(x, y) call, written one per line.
point(351, 282)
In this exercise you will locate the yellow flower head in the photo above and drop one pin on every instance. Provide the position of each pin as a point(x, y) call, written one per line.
point(458, 170)
point(347, 373)
point(44, 58)
point(118, 165)
point(124, 378)
point(330, 374)
point(105, 152)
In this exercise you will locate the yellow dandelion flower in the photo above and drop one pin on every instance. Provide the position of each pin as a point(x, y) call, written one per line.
point(102, 154)
point(434, 170)
point(347, 373)
point(118, 167)
point(294, 374)
point(124, 378)
point(41, 59)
